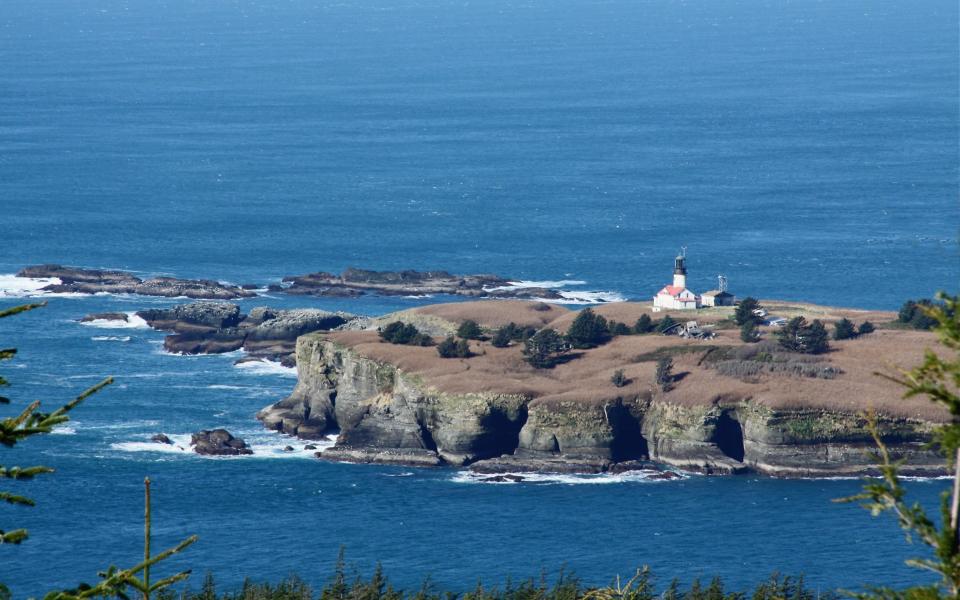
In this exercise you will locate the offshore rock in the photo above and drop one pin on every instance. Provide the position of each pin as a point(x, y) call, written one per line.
point(110, 316)
point(217, 327)
point(94, 281)
point(355, 282)
point(218, 442)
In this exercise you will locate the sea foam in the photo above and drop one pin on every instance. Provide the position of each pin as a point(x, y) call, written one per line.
point(133, 322)
point(266, 367)
point(569, 479)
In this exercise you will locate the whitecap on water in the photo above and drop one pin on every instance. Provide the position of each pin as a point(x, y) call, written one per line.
point(111, 338)
point(64, 430)
point(266, 367)
point(263, 443)
point(133, 322)
point(12, 286)
point(568, 479)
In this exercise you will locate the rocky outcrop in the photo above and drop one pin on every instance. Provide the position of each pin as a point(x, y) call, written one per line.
point(389, 416)
point(110, 316)
point(356, 282)
point(218, 327)
point(218, 442)
point(94, 281)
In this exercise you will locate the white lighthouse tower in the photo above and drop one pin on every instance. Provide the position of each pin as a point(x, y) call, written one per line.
point(677, 296)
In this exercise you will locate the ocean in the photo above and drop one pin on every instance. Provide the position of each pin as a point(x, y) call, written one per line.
point(805, 150)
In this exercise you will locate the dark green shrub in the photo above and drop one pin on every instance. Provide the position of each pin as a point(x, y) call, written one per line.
point(664, 376)
point(865, 328)
point(844, 330)
point(643, 325)
point(749, 333)
point(463, 349)
point(618, 328)
point(406, 334)
point(503, 337)
point(618, 379)
point(588, 330)
point(744, 312)
point(799, 336)
point(665, 324)
point(913, 313)
point(447, 348)
point(470, 330)
point(543, 349)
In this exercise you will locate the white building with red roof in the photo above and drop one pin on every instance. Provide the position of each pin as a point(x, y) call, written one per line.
point(677, 296)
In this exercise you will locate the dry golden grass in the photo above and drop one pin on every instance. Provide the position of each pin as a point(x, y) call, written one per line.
point(496, 313)
point(586, 378)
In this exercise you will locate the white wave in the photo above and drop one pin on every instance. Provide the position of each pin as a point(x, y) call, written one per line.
point(12, 286)
point(266, 367)
point(180, 445)
point(64, 430)
point(132, 322)
point(650, 476)
point(111, 338)
point(519, 285)
point(221, 386)
point(263, 443)
point(585, 297)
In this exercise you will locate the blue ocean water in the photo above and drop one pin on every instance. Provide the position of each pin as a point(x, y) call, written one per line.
point(807, 150)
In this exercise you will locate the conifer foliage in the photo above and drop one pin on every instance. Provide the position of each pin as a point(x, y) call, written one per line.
point(938, 378)
point(31, 421)
point(588, 330)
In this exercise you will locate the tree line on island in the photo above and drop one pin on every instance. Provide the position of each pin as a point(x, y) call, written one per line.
point(937, 378)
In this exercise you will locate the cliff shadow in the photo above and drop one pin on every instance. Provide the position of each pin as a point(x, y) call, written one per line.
point(502, 434)
point(728, 435)
point(628, 441)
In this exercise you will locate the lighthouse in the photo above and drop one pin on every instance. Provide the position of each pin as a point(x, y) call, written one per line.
point(677, 296)
point(680, 272)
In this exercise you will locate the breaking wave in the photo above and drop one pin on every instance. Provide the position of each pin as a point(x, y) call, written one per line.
point(650, 476)
point(111, 338)
point(263, 443)
point(266, 367)
point(132, 322)
point(12, 286)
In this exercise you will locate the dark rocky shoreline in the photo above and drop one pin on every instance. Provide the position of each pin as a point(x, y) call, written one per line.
point(351, 283)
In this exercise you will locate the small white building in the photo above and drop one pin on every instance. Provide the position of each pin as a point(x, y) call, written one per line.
point(717, 298)
point(677, 296)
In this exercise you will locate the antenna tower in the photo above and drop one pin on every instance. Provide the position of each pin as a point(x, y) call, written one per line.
point(722, 282)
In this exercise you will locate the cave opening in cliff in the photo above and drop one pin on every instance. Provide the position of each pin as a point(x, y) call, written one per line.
point(628, 441)
point(728, 436)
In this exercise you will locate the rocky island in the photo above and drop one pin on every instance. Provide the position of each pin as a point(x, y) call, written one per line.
point(95, 281)
point(730, 407)
point(356, 282)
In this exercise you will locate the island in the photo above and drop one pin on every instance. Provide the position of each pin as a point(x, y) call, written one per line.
point(730, 406)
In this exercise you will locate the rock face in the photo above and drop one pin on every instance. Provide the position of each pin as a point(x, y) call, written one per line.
point(111, 316)
point(387, 416)
point(218, 327)
point(93, 281)
point(218, 442)
point(355, 282)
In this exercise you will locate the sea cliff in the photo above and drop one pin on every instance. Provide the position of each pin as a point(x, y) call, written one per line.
point(408, 408)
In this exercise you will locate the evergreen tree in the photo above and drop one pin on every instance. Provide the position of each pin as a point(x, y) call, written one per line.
point(643, 325)
point(32, 422)
point(618, 379)
point(503, 337)
point(618, 328)
point(865, 328)
point(664, 376)
point(588, 330)
point(447, 348)
point(665, 324)
point(799, 336)
point(463, 349)
point(470, 330)
point(544, 348)
point(749, 333)
point(915, 313)
point(744, 312)
point(390, 332)
point(937, 378)
point(844, 330)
